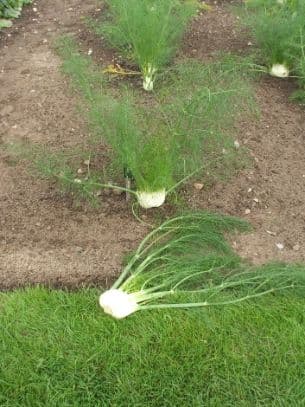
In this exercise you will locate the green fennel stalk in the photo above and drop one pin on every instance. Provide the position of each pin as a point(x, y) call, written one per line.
point(186, 262)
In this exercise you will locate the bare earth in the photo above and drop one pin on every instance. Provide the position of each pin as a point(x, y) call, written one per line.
point(45, 238)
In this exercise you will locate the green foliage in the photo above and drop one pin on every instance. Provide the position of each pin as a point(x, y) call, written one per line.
point(11, 9)
point(166, 139)
point(146, 156)
point(190, 246)
point(202, 104)
point(187, 262)
point(59, 349)
point(276, 29)
point(299, 95)
point(5, 23)
point(59, 166)
point(146, 32)
point(184, 128)
point(279, 30)
point(84, 76)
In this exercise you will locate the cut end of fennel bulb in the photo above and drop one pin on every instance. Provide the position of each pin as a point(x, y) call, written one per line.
point(279, 70)
point(118, 304)
point(151, 199)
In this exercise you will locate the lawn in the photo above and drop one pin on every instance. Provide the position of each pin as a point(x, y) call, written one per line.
point(59, 349)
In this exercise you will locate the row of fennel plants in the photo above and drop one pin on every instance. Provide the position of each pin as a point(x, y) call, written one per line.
point(181, 131)
point(158, 143)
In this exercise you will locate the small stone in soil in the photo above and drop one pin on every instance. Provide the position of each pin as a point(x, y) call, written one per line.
point(247, 211)
point(280, 246)
point(6, 110)
point(296, 247)
point(198, 186)
point(117, 192)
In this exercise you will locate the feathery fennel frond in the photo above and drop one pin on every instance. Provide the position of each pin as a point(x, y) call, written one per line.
point(186, 262)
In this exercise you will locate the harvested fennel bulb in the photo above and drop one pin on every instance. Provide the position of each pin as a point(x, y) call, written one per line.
point(117, 303)
point(187, 260)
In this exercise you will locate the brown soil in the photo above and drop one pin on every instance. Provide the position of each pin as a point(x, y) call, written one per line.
point(45, 238)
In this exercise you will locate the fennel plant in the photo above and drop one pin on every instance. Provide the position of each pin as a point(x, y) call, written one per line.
point(12, 8)
point(276, 27)
point(147, 32)
point(180, 131)
point(186, 262)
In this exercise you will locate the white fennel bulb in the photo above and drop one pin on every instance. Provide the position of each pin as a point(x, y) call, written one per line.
point(279, 70)
point(151, 199)
point(148, 81)
point(157, 273)
point(117, 303)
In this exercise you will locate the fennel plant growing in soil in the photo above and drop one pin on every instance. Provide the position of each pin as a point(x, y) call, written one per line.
point(158, 142)
point(10, 9)
point(278, 29)
point(186, 262)
point(147, 33)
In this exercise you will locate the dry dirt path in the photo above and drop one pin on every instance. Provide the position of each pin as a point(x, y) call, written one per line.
point(45, 239)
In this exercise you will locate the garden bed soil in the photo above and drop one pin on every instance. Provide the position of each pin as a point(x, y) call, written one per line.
point(47, 238)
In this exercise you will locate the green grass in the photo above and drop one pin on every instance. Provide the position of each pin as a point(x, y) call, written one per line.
point(59, 349)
